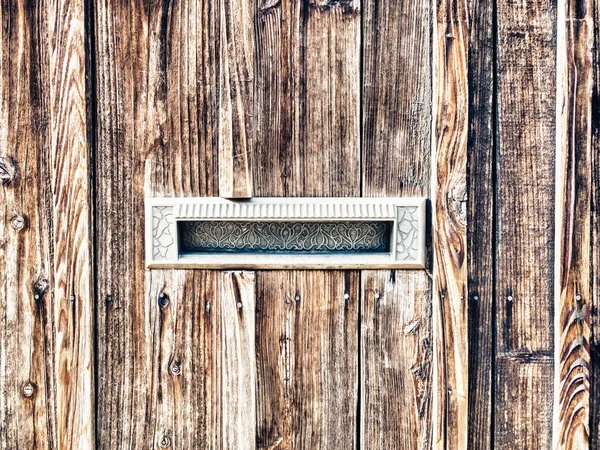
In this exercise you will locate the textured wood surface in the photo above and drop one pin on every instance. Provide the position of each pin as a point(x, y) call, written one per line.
point(488, 108)
point(46, 303)
point(480, 223)
point(450, 403)
point(307, 128)
point(396, 341)
point(526, 69)
point(236, 97)
point(575, 42)
point(307, 144)
point(307, 351)
point(396, 360)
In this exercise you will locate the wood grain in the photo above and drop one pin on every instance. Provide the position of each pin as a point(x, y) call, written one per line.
point(396, 339)
point(573, 225)
point(307, 350)
point(206, 355)
point(595, 238)
point(450, 403)
point(480, 223)
point(46, 362)
point(236, 89)
point(307, 135)
point(396, 360)
point(522, 387)
point(307, 127)
point(526, 90)
point(162, 370)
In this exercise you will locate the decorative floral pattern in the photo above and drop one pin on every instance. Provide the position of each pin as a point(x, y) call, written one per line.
point(285, 237)
point(408, 233)
point(162, 239)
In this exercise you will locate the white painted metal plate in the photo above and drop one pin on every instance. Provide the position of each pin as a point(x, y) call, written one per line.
point(285, 233)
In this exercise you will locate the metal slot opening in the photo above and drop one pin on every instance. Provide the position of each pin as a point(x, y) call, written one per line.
point(285, 237)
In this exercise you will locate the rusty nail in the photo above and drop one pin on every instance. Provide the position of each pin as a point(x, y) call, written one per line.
point(18, 222)
point(28, 390)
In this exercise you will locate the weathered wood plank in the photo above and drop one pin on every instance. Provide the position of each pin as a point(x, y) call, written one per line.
point(307, 128)
point(396, 360)
point(396, 333)
point(522, 385)
point(307, 134)
point(236, 83)
point(450, 402)
point(46, 344)
point(307, 350)
point(207, 359)
point(397, 98)
point(595, 244)
point(575, 42)
point(480, 223)
point(526, 70)
point(158, 135)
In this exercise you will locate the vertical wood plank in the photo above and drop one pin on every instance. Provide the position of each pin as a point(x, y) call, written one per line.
point(396, 327)
point(575, 42)
point(480, 222)
point(595, 244)
point(307, 127)
point(307, 144)
point(46, 362)
point(526, 71)
point(179, 364)
point(307, 346)
point(396, 360)
point(450, 402)
point(207, 359)
point(236, 82)
point(521, 388)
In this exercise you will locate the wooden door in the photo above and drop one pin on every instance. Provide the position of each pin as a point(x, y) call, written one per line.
point(488, 109)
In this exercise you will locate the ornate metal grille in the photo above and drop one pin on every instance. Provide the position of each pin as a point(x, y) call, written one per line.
point(285, 237)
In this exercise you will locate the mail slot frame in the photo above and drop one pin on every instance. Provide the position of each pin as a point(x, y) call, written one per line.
point(163, 215)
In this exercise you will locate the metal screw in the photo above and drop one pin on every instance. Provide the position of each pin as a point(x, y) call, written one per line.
point(509, 298)
point(28, 390)
point(72, 298)
point(207, 306)
point(346, 296)
point(297, 298)
point(578, 298)
point(377, 295)
point(176, 369)
point(109, 298)
point(239, 305)
point(18, 223)
point(163, 300)
point(476, 298)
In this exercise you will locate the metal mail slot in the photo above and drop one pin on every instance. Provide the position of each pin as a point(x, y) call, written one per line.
point(285, 233)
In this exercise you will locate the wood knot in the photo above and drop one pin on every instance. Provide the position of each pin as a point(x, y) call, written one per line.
point(8, 171)
point(165, 442)
point(18, 222)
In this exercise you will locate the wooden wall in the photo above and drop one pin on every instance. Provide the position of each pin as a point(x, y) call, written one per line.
point(489, 109)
